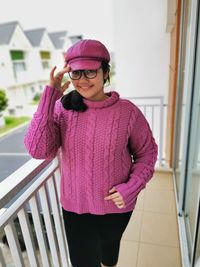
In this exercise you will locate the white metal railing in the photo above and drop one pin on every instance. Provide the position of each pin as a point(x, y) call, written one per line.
point(153, 109)
point(29, 199)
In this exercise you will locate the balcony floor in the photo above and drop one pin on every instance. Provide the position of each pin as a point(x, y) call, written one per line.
point(151, 238)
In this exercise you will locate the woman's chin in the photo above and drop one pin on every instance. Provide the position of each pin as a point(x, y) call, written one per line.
point(86, 92)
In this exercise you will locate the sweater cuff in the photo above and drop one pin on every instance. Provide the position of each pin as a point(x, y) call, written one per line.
point(48, 99)
point(130, 190)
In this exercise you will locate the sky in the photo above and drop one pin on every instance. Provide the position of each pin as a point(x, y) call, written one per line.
point(90, 18)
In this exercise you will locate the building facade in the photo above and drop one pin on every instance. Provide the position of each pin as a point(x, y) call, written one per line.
point(26, 60)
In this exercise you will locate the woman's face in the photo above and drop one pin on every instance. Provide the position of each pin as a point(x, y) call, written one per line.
point(91, 89)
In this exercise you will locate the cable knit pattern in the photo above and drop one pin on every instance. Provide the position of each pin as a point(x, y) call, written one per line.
point(110, 144)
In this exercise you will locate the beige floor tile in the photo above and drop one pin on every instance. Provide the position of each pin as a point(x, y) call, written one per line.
point(140, 201)
point(128, 254)
point(158, 256)
point(162, 201)
point(159, 229)
point(9, 260)
point(161, 181)
point(132, 232)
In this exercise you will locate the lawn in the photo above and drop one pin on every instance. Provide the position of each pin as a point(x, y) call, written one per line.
point(12, 122)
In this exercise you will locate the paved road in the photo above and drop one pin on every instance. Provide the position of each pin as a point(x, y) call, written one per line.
point(13, 153)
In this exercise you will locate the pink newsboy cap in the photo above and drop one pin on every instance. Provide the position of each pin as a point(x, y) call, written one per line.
point(86, 55)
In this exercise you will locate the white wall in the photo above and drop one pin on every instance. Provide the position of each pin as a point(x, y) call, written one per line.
point(34, 66)
point(141, 47)
point(6, 69)
point(57, 59)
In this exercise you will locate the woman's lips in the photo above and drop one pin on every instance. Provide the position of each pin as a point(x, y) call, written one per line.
point(85, 87)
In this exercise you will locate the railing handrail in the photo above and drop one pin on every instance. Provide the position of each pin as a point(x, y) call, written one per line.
point(145, 97)
point(10, 186)
point(25, 196)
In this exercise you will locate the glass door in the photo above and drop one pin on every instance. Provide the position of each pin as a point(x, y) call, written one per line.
point(193, 164)
point(196, 254)
point(182, 95)
point(186, 163)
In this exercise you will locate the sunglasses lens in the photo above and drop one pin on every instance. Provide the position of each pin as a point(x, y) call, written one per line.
point(75, 75)
point(90, 73)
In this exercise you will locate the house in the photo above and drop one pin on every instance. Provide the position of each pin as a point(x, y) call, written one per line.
point(26, 57)
point(61, 43)
point(40, 57)
point(14, 65)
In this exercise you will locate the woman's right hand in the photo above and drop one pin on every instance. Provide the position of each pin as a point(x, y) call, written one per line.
point(56, 80)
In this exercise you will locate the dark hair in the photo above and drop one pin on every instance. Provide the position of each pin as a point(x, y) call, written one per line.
point(74, 101)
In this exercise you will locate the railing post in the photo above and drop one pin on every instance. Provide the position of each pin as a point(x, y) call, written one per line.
point(28, 238)
point(2, 260)
point(14, 244)
point(58, 222)
point(49, 226)
point(39, 232)
point(161, 130)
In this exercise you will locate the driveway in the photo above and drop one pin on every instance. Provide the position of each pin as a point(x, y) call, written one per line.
point(13, 153)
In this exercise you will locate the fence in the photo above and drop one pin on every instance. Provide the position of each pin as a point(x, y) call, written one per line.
point(33, 216)
point(153, 109)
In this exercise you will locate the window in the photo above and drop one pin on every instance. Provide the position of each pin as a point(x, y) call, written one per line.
point(18, 60)
point(45, 59)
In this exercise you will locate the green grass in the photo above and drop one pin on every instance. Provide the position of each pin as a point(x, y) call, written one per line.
point(12, 122)
point(35, 102)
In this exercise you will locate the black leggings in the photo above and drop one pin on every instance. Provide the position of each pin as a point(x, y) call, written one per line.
point(94, 239)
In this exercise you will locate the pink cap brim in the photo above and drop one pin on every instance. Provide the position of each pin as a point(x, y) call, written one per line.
point(84, 64)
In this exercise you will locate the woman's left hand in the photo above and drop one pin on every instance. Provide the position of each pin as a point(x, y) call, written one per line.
point(116, 197)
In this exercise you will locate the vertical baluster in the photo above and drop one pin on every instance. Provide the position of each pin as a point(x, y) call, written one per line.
point(39, 232)
point(160, 148)
point(49, 227)
point(2, 260)
point(28, 237)
point(145, 111)
point(58, 223)
point(152, 114)
point(57, 181)
point(14, 244)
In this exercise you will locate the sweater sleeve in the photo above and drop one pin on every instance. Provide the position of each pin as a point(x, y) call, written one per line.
point(144, 151)
point(42, 138)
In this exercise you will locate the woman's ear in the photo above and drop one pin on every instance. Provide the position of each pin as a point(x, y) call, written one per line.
point(105, 76)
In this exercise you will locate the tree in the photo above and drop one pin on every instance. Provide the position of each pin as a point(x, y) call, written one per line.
point(3, 100)
point(3, 106)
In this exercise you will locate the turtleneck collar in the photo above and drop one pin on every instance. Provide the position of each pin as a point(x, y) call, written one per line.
point(113, 97)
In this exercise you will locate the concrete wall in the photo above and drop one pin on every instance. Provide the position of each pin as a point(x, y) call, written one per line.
point(142, 47)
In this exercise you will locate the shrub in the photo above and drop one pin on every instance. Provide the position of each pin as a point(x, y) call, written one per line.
point(3, 100)
point(36, 97)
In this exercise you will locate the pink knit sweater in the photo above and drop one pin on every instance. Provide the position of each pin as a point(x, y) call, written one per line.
point(110, 144)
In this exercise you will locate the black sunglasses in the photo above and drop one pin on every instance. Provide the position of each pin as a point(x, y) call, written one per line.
point(76, 74)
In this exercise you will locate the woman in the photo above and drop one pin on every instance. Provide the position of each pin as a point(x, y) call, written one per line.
point(107, 154)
